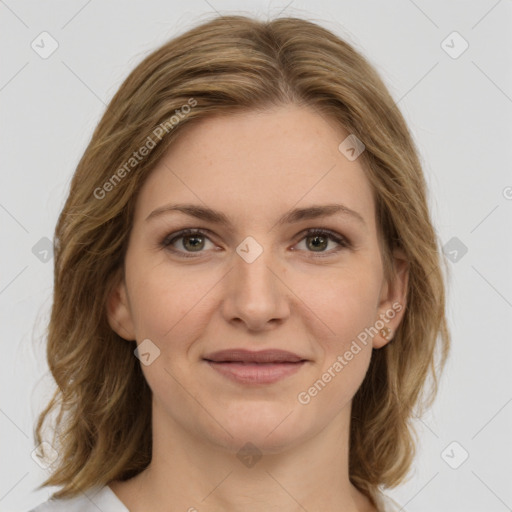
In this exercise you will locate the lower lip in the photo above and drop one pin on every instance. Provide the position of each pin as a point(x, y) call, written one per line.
point(252, 373)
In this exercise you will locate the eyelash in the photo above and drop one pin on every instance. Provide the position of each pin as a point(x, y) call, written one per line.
point(343, 242)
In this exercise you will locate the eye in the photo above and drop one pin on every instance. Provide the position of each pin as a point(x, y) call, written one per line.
point(318, 240)
point(190, 241)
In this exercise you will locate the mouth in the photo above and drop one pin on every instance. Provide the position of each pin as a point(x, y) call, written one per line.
point(248, 367)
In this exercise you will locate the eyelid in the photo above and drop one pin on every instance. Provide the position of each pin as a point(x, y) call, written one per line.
point(342, 241)
point(169, 239)
point(329, 234)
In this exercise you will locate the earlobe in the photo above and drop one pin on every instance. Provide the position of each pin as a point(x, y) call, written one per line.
point(393, 300)
point(119, 312)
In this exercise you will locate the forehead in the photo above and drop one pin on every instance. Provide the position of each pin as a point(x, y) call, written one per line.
point(259, 164)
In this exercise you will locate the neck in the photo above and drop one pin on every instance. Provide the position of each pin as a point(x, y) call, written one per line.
point(189, 474)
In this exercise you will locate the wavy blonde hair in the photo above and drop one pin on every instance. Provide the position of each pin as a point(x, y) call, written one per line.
point(233, 63)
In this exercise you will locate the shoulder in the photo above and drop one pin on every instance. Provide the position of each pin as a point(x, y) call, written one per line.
point(385, 503)
point(102, 498)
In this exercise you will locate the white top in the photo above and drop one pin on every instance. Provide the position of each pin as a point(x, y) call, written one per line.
point(105, 500)
point(96, 499)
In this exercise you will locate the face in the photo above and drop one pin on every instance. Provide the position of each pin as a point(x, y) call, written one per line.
point(246, 313)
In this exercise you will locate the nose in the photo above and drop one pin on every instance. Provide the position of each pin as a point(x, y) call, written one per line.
point(255, 294)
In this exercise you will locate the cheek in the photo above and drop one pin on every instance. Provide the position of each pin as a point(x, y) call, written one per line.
point(164, 300)
point(346, 301)
point(349, 311)
point(347, 305)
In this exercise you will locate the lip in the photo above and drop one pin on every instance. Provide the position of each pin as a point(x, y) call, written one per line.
point(250, 367)
point(240, 355)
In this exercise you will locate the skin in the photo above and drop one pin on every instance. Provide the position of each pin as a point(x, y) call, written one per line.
point(253, 167)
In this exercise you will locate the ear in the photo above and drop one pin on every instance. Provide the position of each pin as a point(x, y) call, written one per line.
point(392, 301)
point(119, 312)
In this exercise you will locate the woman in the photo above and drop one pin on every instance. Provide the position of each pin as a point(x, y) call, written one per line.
point(248, 296)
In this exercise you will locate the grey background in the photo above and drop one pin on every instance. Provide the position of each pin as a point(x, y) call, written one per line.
point(459, 110)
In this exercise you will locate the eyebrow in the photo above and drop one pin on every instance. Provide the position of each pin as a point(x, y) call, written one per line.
point(293, 216)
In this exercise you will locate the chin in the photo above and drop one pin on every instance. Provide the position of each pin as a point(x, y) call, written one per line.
point(272, 428)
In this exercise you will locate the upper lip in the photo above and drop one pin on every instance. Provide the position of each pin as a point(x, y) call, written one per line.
point(248, 356)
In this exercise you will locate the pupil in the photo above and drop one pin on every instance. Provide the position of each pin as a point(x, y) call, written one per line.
point(315, 241)
point(195, 245)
